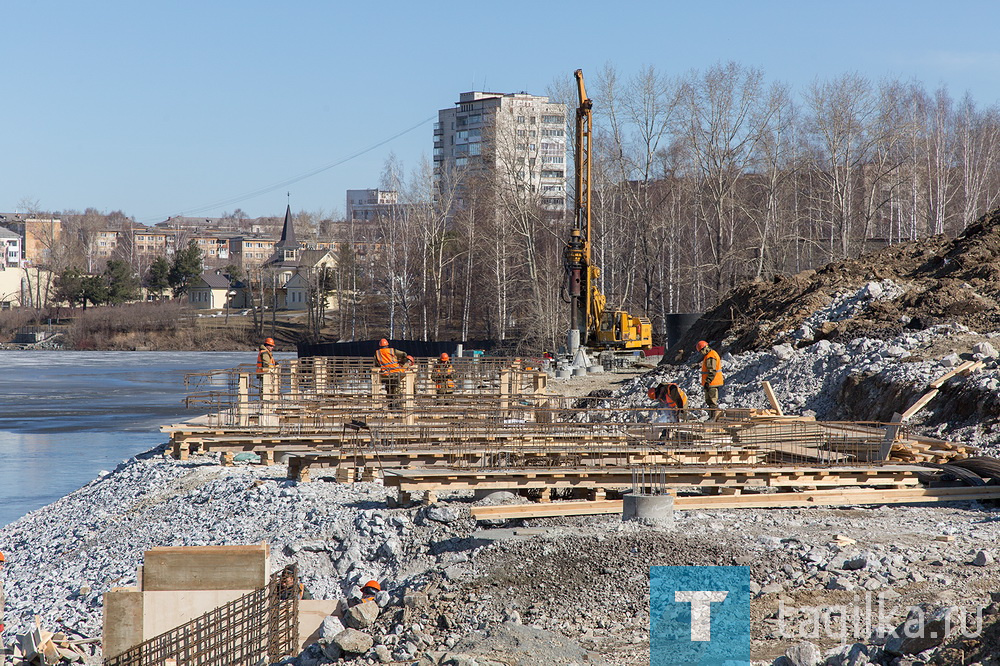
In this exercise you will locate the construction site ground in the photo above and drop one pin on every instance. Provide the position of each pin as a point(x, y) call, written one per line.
point(856, 340)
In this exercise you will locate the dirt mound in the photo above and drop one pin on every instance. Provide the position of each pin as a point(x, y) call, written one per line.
point(912, 285)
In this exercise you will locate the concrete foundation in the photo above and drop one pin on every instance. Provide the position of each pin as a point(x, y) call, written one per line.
point(656, 510)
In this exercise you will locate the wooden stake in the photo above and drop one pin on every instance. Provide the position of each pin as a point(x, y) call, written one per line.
point(769, 392)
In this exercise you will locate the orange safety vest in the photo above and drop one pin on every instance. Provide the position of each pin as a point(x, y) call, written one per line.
point(673, 405)
point(442, 375)
point(705, 372)
point(386, 358)
point(263, 367)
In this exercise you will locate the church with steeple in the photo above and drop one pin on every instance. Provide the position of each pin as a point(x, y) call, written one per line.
point(293, 266)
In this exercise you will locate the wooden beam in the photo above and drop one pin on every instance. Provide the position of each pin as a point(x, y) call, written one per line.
point(838, 497)
point(769, 392)
point(939, 382)
point(918, 405)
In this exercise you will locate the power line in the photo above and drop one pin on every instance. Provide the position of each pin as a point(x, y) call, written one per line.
point(295, 179)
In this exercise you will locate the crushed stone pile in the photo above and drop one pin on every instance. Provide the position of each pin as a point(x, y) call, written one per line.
point(911, 286)
point(575, 592)
point(864, 379)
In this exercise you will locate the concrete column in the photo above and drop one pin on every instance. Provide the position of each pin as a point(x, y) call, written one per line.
point(655, 510)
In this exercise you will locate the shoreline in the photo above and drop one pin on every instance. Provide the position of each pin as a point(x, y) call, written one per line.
point(63, 556)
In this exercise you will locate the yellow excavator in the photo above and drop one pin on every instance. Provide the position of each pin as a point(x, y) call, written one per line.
point(592, 324)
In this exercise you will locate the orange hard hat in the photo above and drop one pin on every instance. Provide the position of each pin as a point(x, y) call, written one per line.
point(409, 358)
point(383, 343)
point(2, 558)
point(444, 356)
point(651, 393)
point(269, 341)
point(701, 345)
point(372, 583)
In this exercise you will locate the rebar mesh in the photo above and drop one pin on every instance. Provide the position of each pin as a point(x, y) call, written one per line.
point(263, 624)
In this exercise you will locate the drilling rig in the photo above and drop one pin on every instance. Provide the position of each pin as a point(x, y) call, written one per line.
point(592, 323)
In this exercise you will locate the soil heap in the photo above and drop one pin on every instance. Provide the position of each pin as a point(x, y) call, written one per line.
point(939, 280)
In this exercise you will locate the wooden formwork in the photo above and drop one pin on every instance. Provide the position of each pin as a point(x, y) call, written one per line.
point(499, 429)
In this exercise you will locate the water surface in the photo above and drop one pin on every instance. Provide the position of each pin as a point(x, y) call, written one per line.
point(65, 416)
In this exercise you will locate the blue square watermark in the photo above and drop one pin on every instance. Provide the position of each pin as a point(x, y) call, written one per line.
point(699, 616)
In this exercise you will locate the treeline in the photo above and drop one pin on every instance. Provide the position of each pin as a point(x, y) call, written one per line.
point(699, 182)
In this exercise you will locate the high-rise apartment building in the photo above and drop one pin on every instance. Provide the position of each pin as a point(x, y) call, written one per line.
point(517, 138)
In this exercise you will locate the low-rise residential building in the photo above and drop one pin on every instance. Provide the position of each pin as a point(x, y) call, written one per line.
point(10, 249)
point(38, 236)
point(209, 292)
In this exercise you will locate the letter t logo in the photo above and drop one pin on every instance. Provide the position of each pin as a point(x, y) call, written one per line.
point(701, 610)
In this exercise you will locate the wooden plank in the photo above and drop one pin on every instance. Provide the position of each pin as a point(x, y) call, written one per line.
point(939, 382)
point(919, 404)
point(891, 431)
point(759, 501)
point(769, 392)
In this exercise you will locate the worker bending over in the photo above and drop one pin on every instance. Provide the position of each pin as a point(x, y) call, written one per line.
point(672, 401)
point(711, 377)
point(392, 364)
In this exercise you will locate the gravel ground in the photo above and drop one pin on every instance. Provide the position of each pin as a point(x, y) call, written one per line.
point(578, 591)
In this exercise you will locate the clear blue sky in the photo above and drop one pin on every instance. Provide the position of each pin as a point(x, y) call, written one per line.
point(182, 107)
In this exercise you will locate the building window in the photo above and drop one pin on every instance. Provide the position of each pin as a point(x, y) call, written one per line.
point(552, 159)
point(520, 119)
point(552, 120)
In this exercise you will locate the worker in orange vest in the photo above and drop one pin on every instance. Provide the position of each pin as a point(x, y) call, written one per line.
point(711, 377)
point(442, 375)
point(290, 588)
point(392, 364)
point(265, 362)
point(368, 592)
point(672, 401)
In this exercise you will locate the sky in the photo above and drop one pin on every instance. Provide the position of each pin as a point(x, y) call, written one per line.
point(198, 108)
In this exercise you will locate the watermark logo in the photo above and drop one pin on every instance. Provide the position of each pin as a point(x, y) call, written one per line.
point(857, 621)
point(699, 616)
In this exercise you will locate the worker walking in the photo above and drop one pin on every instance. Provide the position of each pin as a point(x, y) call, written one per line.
point(266, 365)
point(392, 366)
point(442, 374)
point(672, 402)
point(711, 377)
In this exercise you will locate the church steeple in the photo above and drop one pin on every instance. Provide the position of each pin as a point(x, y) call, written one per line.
point(287, 249)
point(288, 231)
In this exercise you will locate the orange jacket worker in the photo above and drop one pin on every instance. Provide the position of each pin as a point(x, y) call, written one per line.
point(711, 376)
point(265, 357)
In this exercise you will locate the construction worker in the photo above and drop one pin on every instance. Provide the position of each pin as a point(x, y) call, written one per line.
point(442, 374)
point(672, 401)
point(288, 588)
point(711, 377)
point(368, 592)
point(392, 364)
point(265, 362)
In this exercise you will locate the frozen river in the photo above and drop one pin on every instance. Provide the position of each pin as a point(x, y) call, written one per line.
point(65, 416)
